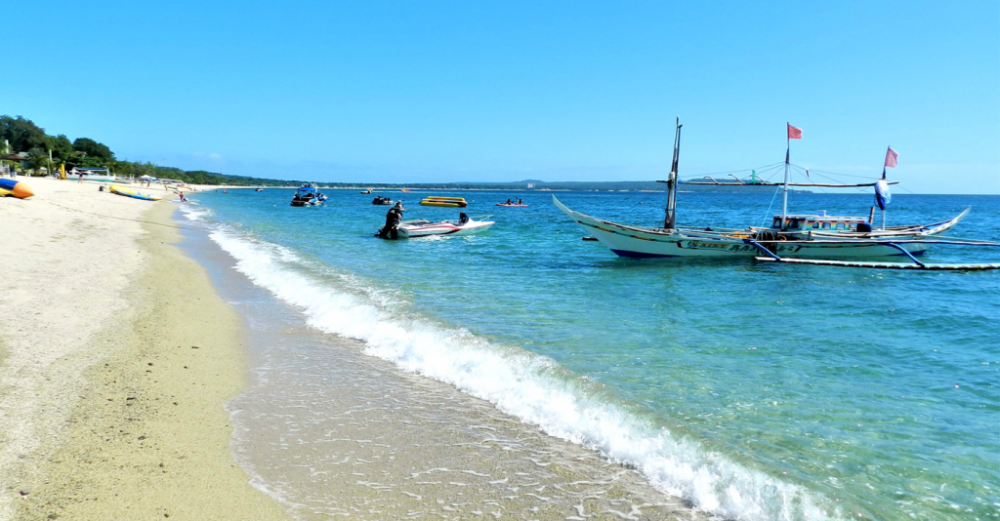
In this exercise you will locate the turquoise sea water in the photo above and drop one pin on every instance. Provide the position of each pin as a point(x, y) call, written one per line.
point(754, 391)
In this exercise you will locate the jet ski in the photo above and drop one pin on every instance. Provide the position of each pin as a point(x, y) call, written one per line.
point(308, 195)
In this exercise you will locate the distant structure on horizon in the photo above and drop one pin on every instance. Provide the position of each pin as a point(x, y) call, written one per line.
point(735, 185)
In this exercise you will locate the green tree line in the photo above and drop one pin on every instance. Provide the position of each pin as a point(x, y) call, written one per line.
point(23, 135)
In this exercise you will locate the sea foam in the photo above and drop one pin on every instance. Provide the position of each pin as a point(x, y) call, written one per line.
point(533, 388)
point(194, 212)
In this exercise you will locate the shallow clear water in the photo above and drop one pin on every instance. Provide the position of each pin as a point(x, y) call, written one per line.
point(754, 391)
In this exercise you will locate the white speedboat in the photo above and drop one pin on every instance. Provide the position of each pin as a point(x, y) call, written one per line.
point(423, 228)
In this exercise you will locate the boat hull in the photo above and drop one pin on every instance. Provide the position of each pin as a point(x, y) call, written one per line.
point(627, 241)
point(443, 204)
point(413, 231)
point(718, 250)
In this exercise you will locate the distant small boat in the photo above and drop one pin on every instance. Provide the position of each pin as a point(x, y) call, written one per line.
point(445, 202)
point(368, 191)
point(513, 205)
point(259, 189)
point(121, 190)
point(382, 201)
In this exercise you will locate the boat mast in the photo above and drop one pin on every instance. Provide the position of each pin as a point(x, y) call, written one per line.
point(883, 209)
point(784, 197)
point(671, 220)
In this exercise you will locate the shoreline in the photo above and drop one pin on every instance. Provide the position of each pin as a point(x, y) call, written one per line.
point(124, 417)
point(337, 430)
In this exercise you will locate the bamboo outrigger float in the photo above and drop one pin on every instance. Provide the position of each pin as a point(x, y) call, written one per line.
point(817, 239)
point(886, 265)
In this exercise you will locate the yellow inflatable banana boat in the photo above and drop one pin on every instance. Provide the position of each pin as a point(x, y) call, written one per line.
point(15, 188)
point(121, 190)
point(447, 202)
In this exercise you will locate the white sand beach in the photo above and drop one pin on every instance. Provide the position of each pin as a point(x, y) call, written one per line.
point(116, 357)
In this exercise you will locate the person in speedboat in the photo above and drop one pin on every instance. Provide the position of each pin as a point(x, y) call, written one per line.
point(392, 219)
point(462, 219)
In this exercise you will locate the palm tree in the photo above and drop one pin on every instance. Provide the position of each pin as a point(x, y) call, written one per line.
point(38, 158)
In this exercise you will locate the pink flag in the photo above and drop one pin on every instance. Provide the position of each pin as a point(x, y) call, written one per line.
point(794, 133)
point(890, 158)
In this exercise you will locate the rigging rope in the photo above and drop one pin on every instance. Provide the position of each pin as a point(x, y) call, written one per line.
point(767, 215)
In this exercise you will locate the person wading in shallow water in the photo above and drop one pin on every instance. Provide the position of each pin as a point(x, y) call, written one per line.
point(392, 219)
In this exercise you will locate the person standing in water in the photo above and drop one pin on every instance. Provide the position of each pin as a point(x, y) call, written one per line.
point(392, 219)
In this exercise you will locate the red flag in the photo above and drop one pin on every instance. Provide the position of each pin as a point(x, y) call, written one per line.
point(794, 133)
point(890, 158)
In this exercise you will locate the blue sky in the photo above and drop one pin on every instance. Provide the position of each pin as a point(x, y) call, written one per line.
point(505, 91)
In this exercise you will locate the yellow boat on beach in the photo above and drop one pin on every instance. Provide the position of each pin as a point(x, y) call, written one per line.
point(446, 202)
point(127, 192)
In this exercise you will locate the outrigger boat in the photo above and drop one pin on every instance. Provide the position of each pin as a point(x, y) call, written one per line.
point(794, 238)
